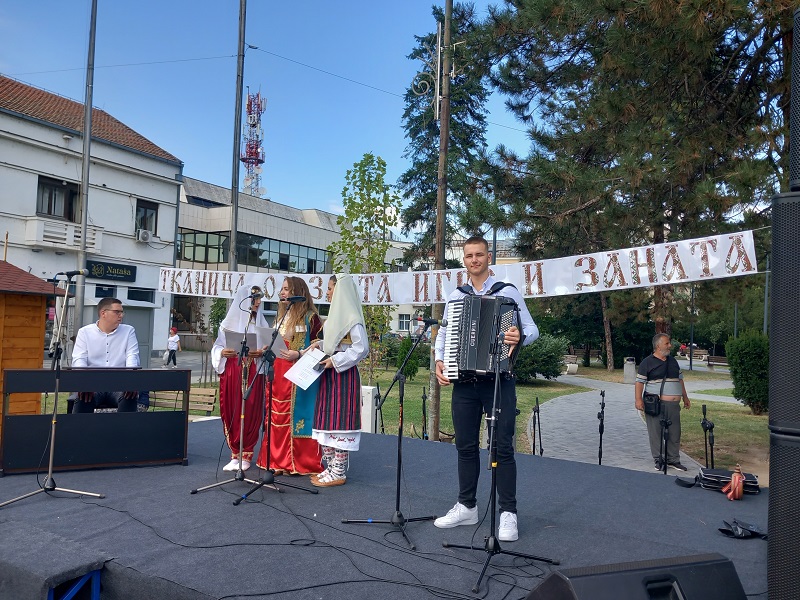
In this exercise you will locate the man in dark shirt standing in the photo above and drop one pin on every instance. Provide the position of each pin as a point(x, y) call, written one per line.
point(658, 367)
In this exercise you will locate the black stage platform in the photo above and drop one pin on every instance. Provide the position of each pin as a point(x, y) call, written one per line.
point(155, 540)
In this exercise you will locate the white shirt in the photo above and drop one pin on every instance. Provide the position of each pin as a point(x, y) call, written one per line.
point(349, 355)
point(528, 329)
point(95, 348)
point(172, 342)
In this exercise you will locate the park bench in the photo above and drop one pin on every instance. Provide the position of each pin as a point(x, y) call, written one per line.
point(716, 361)
point(570, 364)
point(200, 399)
point(700, 355)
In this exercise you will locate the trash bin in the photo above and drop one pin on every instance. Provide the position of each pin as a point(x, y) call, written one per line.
point(629, 370)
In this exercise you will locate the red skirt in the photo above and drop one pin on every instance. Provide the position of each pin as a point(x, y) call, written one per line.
point(292, 448)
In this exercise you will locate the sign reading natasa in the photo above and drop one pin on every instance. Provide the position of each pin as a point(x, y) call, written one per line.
point(105, 270)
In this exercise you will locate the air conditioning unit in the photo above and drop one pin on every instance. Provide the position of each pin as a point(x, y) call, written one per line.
point(144, 235)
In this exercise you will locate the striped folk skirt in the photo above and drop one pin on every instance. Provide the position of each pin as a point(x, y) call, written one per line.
point(338, 408)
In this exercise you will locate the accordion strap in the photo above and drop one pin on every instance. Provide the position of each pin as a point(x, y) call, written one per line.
point(496, 287)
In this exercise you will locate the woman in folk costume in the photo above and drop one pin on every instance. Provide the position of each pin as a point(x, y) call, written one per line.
point(292, 449)
point(243, 315)
point(337, 418)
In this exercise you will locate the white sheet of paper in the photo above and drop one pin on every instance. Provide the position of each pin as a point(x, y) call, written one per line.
point(264, 335)
point(302, 373)
point(233, 340)
point(257, 338)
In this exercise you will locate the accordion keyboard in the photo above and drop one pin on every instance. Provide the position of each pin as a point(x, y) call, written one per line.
point(454, 312)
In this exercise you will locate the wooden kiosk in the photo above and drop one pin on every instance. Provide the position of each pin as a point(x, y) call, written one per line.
point(23, 314)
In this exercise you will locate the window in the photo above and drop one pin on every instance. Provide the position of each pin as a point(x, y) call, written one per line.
point(105, 291)
point(56, 198)
point(146, 215)
point(405, 322)
point(211, 249)
point(142, 294)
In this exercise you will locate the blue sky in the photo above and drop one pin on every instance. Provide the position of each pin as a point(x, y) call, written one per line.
point(168, 70)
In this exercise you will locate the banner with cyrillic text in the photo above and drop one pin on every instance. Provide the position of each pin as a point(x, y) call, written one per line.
point(701, 259)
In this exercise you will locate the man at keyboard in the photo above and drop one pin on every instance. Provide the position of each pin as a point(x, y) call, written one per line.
point(472, 397)
point(107, 343)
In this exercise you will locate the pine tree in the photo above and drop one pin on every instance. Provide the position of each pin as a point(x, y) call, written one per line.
point(467, 139)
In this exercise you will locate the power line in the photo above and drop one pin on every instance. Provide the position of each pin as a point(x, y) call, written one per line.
point(155, 62)
point(250, 47)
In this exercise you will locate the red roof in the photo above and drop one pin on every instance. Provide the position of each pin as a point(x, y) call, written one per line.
point(45, 106)
point(14, 280)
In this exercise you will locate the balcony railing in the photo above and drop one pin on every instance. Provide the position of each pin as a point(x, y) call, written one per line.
point(63, 235)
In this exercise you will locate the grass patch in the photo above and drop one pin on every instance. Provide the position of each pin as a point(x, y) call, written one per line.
point(412, 404)
point(716, 392)
point(738, 434)
point(598, 371)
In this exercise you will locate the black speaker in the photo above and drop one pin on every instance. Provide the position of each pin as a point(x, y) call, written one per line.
point(794, 116)
point(783, 570)
point(784, 377)
point(700, 577)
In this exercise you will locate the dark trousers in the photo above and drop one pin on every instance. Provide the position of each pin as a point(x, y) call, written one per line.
point(471, 400)
point(171, 358)
point(655, 433)
point(106, 400)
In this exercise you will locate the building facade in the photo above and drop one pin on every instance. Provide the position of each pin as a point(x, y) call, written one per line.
point(134, 190)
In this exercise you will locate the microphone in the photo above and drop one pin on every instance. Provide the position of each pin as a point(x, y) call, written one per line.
point(255, 293)
point(293, 299)
point(443, 322)
point(83, 272)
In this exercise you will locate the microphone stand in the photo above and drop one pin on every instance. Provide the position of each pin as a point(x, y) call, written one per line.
point(601, 415)
point(268, 478)
point(50, 483)
point(491, 543)
point(239, 475)
point(537, 419)
point(424, 415)
point(398, 520)
point(708, 435)
point(665, 423)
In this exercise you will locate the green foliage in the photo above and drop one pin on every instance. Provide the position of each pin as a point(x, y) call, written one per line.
point(466, 199)
point(219, 308)
point(543, 357)
point(371, 208)
point(412, 366)
point(391, 346)
point(645, 128)
point(748, 359)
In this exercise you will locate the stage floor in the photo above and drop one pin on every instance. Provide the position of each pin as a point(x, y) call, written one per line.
point(158, 541)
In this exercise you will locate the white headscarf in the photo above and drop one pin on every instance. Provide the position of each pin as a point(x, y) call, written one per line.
point(236, 320)
point(344, 314)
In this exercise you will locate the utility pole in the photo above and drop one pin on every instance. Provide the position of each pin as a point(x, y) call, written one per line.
point(437, 312)
point(233, 263)
point(80, 281)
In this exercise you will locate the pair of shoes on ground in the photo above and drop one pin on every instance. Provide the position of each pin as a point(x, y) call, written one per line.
point(659, 466)
point(328, 479)
point(461, 515)
point(234, 465)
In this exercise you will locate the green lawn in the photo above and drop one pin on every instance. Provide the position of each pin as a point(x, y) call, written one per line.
point(412, 405)
point(716, 392)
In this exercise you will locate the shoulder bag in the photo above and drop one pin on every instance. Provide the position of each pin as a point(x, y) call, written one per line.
point(652, 402)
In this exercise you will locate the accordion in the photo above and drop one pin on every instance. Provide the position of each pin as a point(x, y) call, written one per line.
point(473, 326)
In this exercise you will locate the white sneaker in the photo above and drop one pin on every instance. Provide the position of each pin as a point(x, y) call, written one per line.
point(458, 515)
point(231, 466)
point(245, 465)
point(507, 532)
